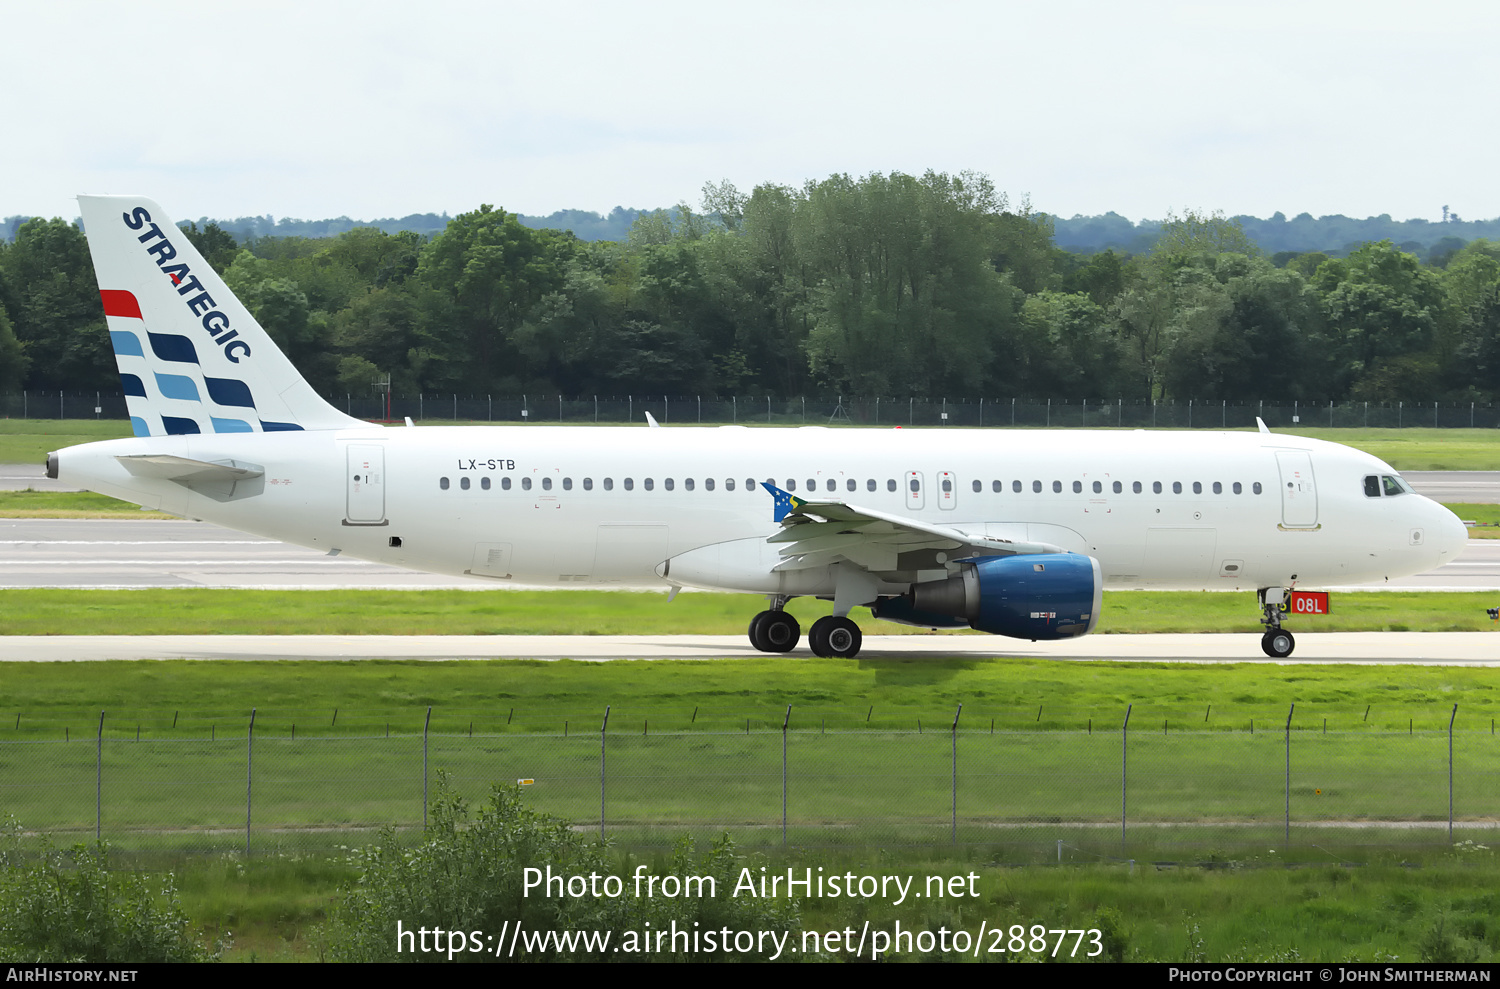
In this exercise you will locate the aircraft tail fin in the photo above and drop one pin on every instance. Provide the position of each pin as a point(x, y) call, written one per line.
point(192, 359)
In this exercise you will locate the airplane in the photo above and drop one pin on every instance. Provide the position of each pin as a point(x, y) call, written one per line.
point(1012, 532)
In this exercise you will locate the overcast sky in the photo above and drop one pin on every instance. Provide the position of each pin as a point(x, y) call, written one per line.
point(377, 108)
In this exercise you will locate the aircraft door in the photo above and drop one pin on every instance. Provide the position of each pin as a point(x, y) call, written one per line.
point(914, 497)
point(947, 489)
point(366, 485)
point(1299, 495)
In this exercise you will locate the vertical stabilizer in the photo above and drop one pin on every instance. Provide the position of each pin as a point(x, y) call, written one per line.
point(192, 359)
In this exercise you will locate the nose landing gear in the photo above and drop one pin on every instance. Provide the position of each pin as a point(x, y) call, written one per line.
point(1277, 642)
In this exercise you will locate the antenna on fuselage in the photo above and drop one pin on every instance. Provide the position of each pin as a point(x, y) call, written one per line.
point(651, 421)
point(1261, 423)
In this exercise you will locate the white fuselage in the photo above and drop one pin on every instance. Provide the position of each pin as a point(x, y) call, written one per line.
point(588, 505)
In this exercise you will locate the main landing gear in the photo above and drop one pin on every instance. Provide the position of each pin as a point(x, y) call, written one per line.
point(1277, 643)
point(776, 631)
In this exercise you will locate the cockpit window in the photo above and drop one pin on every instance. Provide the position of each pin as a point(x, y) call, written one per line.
point(1372, 486)
point(1394, 485)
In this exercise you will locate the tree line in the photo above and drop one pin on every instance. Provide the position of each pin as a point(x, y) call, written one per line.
point(889, 284)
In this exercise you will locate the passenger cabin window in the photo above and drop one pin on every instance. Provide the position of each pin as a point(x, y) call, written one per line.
point(443, 483)
point(1177, 487)
point(791, 485)
point(1136, 487)
point(1238, 488)
point(667, 484)
point(1156, 487)
point(505, 484)
point(1056, 487)
point(997, 486)
point(1036, 487)
point(978, 486)
point(609, 484)
point(463, 482)
point(567, 484)
point(870, 484)
point(629, 484)
point(1255, 487)
point(1218, 488)
point(1197, 487)
point(1118, 487)
point(852, 484)
point(687, 484)
point(890, 484)
point(1098, 488)
point(648, 484)
point(1078, 487)
point(588, 484)
point(525, 484)
point(832, 484)
point(546, 484)
point(484, 483)
point(916, 485)
point(1015, 486)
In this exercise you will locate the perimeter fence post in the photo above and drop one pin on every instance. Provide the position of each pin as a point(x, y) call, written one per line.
point(1288, 836)
point(249, 768)
point(1451, 717)
point(602, 727)
point(99, 776)
point(955, 771)
point(784, 723)
point(425, 726)
point(1124, 734)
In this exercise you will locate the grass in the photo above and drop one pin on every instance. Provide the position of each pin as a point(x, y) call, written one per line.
point(40, 700)
point(1409, 906)
point(1418, 448)
point(214, 611)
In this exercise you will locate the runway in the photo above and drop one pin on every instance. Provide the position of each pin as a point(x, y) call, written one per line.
point(143, 553)
point(1365, 648)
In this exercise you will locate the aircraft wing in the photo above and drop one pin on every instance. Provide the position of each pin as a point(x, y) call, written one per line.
point(817, 533)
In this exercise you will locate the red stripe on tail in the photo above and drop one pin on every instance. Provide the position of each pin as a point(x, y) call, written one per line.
point(118, 302)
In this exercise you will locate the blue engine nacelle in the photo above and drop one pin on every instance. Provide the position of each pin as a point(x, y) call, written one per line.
point(1036, 596)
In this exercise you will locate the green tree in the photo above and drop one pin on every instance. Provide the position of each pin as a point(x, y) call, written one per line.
point(52, 298)
point(13, 360)
point(216, 245)
point(1383, 307)
point(491, 272)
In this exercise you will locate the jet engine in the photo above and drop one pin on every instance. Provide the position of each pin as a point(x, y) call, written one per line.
point(1036, 596)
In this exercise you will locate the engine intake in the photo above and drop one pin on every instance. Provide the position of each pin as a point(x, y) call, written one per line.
point(1037, 596)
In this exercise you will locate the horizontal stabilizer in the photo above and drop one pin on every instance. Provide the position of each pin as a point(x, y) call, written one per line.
point(185, 470)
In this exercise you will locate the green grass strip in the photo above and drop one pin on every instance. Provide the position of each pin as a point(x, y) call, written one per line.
point(214, 611)
point(182, 698)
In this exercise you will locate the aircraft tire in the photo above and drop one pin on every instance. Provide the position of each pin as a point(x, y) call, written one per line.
point(1278, 643)
point(817, 636)
point(842, 638)
point(757, 635)
point(780, 631)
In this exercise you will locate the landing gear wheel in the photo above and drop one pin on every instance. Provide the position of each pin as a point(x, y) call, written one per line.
point(1278, 643)
point(757, 637)
point(774, 631)
point(832, 636)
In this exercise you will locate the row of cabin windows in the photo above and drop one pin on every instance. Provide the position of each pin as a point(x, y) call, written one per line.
point(851, 484)
point(1117, 487)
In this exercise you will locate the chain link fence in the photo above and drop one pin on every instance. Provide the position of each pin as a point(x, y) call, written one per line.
point(1131, 791)
point(814, 411)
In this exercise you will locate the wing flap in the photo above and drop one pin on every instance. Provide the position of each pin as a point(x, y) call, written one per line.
point(818, 533)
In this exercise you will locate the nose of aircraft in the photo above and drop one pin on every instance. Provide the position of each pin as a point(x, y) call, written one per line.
point(1447, 536)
